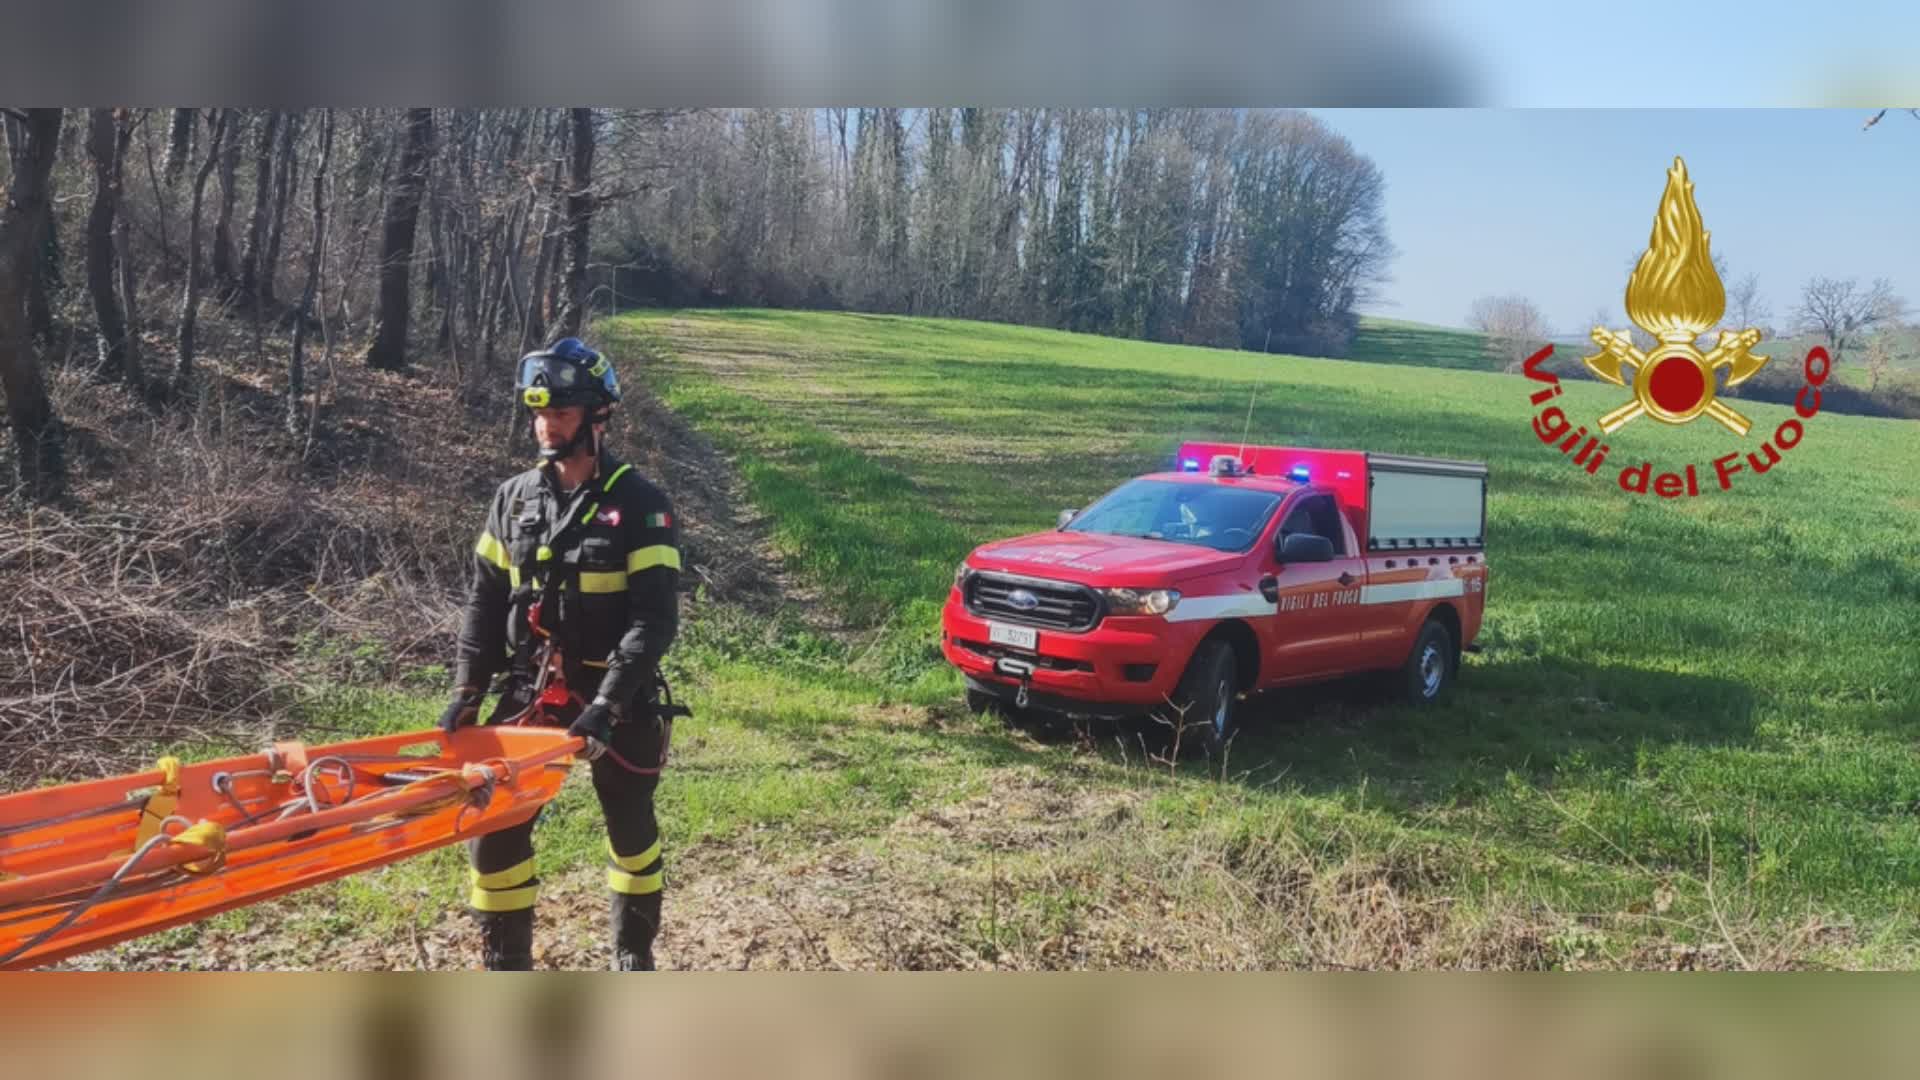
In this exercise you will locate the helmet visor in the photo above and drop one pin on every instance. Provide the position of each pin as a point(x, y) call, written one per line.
point(553, 373)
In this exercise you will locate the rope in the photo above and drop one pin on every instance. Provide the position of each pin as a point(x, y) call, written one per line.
point(310, 800)
point(105, 887)
point(223, 783)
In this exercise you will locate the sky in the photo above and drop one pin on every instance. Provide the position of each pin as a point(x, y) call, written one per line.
point(1551, 204)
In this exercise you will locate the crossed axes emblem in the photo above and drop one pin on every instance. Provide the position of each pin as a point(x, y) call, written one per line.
point(1679, 385)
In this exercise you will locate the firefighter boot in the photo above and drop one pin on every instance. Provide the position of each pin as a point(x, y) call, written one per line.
point(506, 940)
point(635, 920)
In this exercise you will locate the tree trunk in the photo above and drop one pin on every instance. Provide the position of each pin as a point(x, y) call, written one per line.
point(104, 148)
point(37, 434)
point(296, 367)
point(538, 306)
point(255, 249)
point(389, 348)
point(224, 271)
point(284, 192)
point(180, 143)
point(136, 375)
point(190, 298)
point(556, 287)
point(579, 223)
point(45, 271)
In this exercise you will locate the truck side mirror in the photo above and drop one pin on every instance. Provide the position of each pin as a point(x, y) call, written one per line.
point(1065, 516)
point(1306, 547)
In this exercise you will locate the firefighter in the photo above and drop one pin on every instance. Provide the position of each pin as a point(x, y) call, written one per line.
point(573, 603)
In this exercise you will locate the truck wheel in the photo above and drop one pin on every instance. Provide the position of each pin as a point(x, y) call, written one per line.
point(1430, 667)
point(979, 701)
point(1203, 714)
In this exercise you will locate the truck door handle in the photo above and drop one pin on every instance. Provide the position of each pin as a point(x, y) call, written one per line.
point(1270, 588)
point(1346, 579)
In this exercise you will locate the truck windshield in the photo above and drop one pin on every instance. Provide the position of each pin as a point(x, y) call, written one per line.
point(1222, 518)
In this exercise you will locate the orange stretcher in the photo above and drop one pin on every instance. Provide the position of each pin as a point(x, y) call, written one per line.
point(87, 865)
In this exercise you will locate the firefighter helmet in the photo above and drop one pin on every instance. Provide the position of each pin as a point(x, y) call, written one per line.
point(567, 373)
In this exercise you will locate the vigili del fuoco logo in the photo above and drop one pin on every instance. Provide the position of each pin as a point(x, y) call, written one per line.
point(1675, 295)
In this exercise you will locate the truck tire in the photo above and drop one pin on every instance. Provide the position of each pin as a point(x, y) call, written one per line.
point(1204, 714)
point(1430, 667)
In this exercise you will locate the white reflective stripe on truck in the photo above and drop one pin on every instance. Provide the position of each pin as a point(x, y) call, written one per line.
point(1412, 590)
point(1253, 605)
point(1229, 606)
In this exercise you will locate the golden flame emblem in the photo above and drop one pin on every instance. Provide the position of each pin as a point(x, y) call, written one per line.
point(1675, 294)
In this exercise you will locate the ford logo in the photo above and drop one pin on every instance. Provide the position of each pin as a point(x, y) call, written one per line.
point(1022, 600)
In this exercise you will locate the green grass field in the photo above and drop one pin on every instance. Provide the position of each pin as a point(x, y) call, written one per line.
point(1708, 695)
point(1396, 341)
point(1690, 741)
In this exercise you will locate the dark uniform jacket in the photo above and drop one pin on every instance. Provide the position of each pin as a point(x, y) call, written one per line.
point(604, 566)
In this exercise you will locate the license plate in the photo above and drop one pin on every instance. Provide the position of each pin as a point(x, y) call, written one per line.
point(1020, 637)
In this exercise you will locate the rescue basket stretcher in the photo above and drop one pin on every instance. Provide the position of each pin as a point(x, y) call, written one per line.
point(87, 865)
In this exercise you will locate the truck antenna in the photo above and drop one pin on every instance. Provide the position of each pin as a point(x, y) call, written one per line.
point(1245, 430)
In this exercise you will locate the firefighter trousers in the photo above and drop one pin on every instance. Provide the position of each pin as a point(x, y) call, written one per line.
point(502, 876)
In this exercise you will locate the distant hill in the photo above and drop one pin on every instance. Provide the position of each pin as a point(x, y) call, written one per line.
point(1415, 344)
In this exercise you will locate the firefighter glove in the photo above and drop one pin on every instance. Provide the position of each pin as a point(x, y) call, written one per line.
point(464, 709)
point(595, 725)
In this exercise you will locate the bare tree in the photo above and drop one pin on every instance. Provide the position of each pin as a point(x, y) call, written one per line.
point(1513, 325)
point(180, 143)
point(123, 252)
point(1878, 356)
point(255, 249)
point(389, 348)
point(579, 220)
point(1881, 115)
point(296, 366)
point(283, 194)
point(190, 296)
point(32, 144)
point(1843, 312)
point(105, 147)
point(1745, 306)
point(224, 269)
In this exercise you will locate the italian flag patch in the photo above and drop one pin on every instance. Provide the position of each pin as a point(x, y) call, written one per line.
point(659, 521)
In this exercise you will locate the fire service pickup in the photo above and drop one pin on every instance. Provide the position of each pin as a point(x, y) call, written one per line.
point(1244, 569)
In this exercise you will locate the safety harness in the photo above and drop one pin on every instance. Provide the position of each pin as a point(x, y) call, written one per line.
point(539, 579)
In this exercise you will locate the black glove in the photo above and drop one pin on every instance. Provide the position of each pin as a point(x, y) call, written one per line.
point(595, 725)
point(464, 709)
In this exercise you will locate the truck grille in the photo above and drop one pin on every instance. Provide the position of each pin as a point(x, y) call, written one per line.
point(1061, 605)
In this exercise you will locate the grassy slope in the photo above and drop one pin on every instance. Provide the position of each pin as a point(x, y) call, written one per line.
point(1396, 341)
point(1689, 742)
point(1714, 689)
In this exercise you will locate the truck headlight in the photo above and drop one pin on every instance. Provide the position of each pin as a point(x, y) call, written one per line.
point(1140, 601)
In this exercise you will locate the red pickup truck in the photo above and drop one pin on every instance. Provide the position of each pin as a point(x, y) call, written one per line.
point(1241, 569)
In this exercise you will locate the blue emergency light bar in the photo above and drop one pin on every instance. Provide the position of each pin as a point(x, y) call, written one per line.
point(1190, 465)
point(1299, 472)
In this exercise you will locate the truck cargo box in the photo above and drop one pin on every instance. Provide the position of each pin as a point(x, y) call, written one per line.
point(1396, 502)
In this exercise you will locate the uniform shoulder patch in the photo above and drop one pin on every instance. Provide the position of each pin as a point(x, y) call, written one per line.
point(659, 520)
point(609, 516)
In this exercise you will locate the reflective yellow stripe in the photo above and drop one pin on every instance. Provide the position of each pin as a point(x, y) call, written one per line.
point(657, 555)
point(517, 874)
point(513, 576)
point(635, 863)
point(493, 551)
point(635, 884)
point(603, 581)
point(594, 663)
point(503, 899)
point(608, 486)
